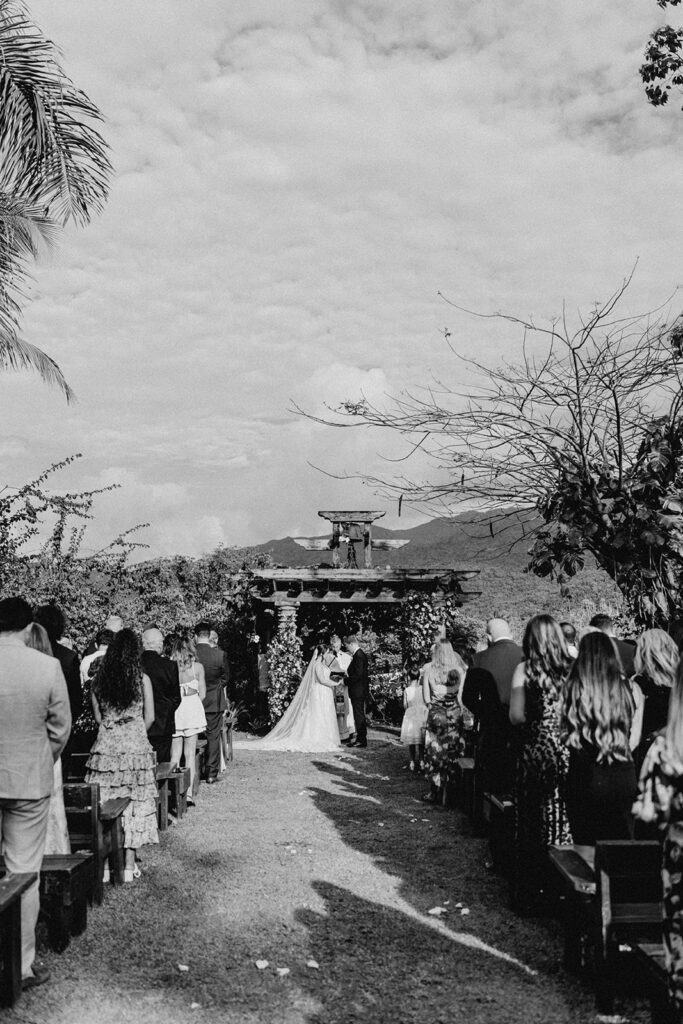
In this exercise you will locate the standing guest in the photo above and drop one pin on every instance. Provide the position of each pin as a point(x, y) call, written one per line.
point(486, 693)
point(163, 675)
point(53, 620)
point(535, 696)
point(122, 760)
point(597, 712)
point(625, 650)
point(660, 803)
point(34, 726)
point(190, 718)
point(444, 741)
point(57, 835)
point(114, 624)
point(89, 663)
point(213, 638)
point(569, 634)
point(415, 719)
point(656, 663)
point(358, 682)
point(433, 676)
point(216, 675)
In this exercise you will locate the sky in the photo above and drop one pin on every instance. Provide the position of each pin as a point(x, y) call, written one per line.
point(295, 185)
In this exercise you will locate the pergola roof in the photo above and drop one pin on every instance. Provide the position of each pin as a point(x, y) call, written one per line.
point(322, 585)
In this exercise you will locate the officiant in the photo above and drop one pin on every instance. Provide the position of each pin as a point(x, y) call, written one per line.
point(338, 661)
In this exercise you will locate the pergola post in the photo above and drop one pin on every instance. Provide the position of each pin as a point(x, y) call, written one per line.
point(367, 544)
point(287, 616)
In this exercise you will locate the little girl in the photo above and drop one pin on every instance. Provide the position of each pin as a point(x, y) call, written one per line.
point(414, 719)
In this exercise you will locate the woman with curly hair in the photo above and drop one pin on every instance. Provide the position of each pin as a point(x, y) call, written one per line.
point(660, 804)
point(655, 662)
point(540, 814)
point(190, 718)
point(121, 759)
point(597, 714)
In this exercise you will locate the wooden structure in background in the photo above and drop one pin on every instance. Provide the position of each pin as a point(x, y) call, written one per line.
point(351, 527)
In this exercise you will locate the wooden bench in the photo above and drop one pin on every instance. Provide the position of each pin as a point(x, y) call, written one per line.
point(649, 957)
point(173, 787)
point(66, 886)
point(11, 889)
point(463, 784)
point(628, 906)
point(498, 811)
point(98, 828)
point(199, 763)
point(575, 868)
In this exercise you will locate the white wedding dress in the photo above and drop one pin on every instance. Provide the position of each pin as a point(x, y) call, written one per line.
point(309, 725)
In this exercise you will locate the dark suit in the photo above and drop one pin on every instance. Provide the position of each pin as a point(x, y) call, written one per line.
point(216, 674)
point(626, 654)
point(358, 682)
point(68, 659)
point(163, 675)
point(486, 693)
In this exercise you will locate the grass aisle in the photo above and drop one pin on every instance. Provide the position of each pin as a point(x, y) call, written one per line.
point(294, 858)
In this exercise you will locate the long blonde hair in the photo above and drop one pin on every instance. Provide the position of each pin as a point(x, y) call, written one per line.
point(674, 726)
point(546, 661)
point(444, 660)
point(657, 657)
point(598, 706)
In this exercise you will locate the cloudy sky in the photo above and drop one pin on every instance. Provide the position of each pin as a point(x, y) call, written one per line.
point(294, 185)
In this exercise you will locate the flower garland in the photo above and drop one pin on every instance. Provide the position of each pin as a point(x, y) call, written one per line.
point(284, 668)
point(422, 619)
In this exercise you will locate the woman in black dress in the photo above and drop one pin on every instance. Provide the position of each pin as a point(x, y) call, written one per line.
point(656, 661)
point(596, 720)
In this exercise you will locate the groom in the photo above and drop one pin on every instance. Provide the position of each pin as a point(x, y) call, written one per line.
point(358, 682)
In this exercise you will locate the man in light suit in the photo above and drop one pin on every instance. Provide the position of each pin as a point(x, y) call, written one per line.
point(35, 722)
point(216, 674)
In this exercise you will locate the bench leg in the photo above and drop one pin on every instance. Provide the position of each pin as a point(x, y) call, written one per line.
point(58, 917)
point(79, 916)
point(163, 806)
point(117, 857)
point(10, 955)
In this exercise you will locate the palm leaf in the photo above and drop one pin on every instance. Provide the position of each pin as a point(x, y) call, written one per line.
point(17, 354)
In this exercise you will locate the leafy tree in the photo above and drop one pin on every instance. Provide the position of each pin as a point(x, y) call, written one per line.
point(581, 444)
point(663, 67)
point(54, 167)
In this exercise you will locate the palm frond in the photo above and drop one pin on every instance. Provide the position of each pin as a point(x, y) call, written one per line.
point(17, 354)
point(50, 151)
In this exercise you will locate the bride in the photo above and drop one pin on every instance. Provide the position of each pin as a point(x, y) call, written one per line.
point(309, 724)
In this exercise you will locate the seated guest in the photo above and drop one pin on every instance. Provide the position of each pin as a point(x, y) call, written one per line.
point(190, 718)
point(540, 814)
point(444, 742)
point(625, 650)
point(57, 835)
point(34, 727)
point(163, 675)
point(52, 618)
point(660, 803)
point(121, 760)
point(656, 663)
point(597, 711)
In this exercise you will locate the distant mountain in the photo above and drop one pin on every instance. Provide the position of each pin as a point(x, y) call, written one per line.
point(506, 589)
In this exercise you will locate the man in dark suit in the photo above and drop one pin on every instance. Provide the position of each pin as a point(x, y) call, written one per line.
point(625, 650)
point(216, 674)
point(486, 693)
point(358, 683)
point(52, 619)
point(163, 675)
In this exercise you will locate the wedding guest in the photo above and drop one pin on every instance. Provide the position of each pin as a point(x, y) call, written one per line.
point(660, 803)
point(89, 663)
point(57, 835)
point(34, 726)
point(53, 620)
point(444, 743)
point(114, 624)
point(414, 722)
point(190, 718)
point(213, 638)
point(358, 682)
point(433, 676)
point(597, 711)
point(163, 675)
point(542, 759)
point(122, 760)
point(486, 693)
point(216, 675)
point(656, 663)
point(342, 703)
point(625, 650)
point(569, 634)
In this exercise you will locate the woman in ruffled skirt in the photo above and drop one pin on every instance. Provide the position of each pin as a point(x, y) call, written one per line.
point(121, 759)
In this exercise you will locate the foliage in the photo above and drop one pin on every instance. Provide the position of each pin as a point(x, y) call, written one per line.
point(54, 167)
point(663, 67)
point(285, 668)
point(579, 443)
point(423, 620)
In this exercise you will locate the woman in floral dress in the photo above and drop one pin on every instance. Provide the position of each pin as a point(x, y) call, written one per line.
point(542, 759)
point(660, 801)
point(121, 759)
point(444, 736)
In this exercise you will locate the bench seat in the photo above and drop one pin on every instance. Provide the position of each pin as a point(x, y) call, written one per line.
point(66, 886)
point(12, 888)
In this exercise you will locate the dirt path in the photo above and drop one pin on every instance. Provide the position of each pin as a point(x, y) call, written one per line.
point(297, 858)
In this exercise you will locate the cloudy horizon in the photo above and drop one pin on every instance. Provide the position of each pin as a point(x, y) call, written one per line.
point(294, 187)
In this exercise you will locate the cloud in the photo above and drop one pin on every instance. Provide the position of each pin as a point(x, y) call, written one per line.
point(294, 185)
